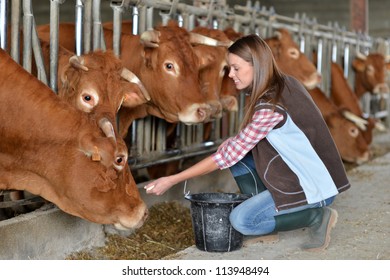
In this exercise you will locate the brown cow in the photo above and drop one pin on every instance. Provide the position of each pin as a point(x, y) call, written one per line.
point(348, 138)
point(291, 61)
point(343, 97)
point(46, 148)
point(167, 65)
point(370, 74)
point(98, 84)
point(212, 75)
point(95, 83)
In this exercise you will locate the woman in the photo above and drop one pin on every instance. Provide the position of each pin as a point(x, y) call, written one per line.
point(283, 153)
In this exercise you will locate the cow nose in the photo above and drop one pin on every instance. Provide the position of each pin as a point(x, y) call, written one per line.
point(381, 88)
point(195, 113)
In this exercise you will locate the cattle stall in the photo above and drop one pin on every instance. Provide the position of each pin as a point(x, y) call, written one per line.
point(147, 138)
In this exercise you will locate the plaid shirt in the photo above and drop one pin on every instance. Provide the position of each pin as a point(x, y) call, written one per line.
point(235, 148)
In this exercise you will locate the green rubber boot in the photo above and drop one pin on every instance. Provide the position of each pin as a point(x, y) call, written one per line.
point(250, 183)
point(320, 222)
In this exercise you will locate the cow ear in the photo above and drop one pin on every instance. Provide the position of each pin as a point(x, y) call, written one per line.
point(133, 99)
point(205, 59)
point(147, 56)
point(62, 74)
point(358, 65)
point(275, 47)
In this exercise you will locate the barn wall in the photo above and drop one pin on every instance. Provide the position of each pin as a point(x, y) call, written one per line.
point(333, 11)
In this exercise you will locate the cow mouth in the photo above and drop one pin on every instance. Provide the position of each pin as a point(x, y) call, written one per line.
point(134, 222)
point(312, 81)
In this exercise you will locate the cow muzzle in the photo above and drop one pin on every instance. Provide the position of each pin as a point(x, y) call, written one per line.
point(313, 80)
point(137, 219)
point(195, 113)
point(381, 88)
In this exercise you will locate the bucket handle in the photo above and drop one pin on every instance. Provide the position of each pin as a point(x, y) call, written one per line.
point(184, 190)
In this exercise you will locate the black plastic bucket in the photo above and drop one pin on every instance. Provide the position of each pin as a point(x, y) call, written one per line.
point(210, 220)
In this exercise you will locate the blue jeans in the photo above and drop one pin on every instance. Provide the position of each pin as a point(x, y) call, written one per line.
point(255, 216)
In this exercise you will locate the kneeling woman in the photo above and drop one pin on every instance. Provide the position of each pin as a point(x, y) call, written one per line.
point(283, 154)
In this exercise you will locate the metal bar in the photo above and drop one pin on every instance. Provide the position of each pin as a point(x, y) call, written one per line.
point(346, 60)
point(87, 25)
point(27, 38)
point(15, 34)
point(36, 45)
point(54, 25)
point(3, 24)
point(96, 25)
point(79, 27)
point(117, 21)
point(136, 20)
point(21, 202)
point(153, 159)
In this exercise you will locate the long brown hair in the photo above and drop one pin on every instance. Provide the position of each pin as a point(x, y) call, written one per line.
point(267, 77)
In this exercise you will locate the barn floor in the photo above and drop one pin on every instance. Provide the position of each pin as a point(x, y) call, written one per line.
point(361, 233)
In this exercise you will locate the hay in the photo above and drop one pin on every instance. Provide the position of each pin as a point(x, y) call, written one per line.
point(168, 230)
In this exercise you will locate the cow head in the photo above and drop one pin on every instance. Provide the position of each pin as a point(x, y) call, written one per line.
point(213, 74)
point(170, 73)
point(291, 61)
point(343, 97)
point(370, 73)
point(347, 136)
point(97, 83)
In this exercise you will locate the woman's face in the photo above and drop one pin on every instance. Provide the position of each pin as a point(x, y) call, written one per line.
point(241, 71)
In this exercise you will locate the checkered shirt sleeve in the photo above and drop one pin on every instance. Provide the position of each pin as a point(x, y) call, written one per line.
point(235, 148)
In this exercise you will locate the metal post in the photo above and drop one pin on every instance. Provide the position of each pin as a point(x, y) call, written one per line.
point(346, 60)
point(87, 25)
point(54, 25)
point(27, 27)
point(79, 27)
point(319, 55)
point(135, 20)
point(3, 24)
point(15, 34)
point(117, 21)
point(36, 45)
point(149, 18)
point(96, 27)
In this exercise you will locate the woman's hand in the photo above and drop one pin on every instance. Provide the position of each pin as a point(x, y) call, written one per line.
point(160, 186)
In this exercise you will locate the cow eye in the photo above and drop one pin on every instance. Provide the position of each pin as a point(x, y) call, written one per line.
point(294, 53)
point(169, 66)
point(354, 132)
point(87, 101)
point(87, 98)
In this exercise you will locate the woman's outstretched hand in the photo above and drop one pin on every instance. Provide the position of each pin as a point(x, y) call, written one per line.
point(160, 186)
